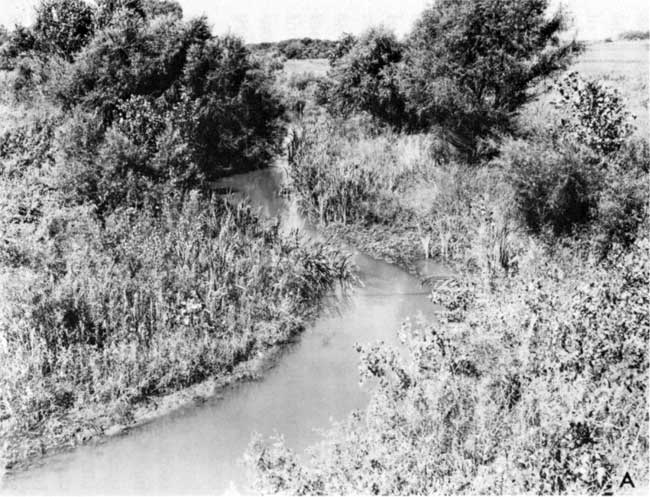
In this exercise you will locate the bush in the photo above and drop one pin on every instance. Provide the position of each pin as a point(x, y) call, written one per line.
point(63, 27)
point(365, 79)
point(130, 56)
point(623, 201)
point(469, 66)
point(555, 183)
point(598, 117)
point(583, 170)
point(173, 104)
point(231, 115)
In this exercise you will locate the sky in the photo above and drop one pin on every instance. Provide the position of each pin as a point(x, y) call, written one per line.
point(272, 20)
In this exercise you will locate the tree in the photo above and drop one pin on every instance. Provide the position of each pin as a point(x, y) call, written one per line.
point(131, 56)
point(141, 8)
point(63, 26)
point(15, 43)
point(231, 113)
point(172, 105)
point(366, 78)
point(342, 47)
point(470, 65)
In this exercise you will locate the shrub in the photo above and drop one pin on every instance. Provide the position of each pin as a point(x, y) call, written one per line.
point(63, 26)
point(366, 79)
point(598, 117)
point(469, 66)
point(173, 103)
point(555, 183)
point(583, 169)
point(623, 200)
point(342, 47)
point(130, 56)
point(231, 115)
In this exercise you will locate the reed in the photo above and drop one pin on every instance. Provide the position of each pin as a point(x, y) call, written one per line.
point(155, 300)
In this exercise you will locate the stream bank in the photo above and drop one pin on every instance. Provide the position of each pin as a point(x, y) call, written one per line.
point(195, 448)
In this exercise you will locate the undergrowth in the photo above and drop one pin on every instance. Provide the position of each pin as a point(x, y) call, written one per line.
point(536, 386)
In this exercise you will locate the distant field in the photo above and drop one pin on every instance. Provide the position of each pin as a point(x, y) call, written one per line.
point(317, 67)
point(624, 65)
point(622, 57)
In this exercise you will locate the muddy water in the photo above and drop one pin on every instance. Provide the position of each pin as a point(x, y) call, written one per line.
point(198, 450)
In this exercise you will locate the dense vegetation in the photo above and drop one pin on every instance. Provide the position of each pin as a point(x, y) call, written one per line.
point(466, 68)
point(121, 275)
point(534, 377)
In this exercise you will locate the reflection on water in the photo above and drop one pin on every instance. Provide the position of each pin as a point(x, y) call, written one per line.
point(197, 450)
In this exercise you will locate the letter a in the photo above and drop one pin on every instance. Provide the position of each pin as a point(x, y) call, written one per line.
point(627, 480)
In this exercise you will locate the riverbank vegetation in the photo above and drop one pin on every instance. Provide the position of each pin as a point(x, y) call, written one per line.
point(534, 378)
point(122, 277)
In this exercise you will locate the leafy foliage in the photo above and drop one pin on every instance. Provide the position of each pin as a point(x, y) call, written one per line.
point(149, 301)
point(582, 169)
point(120, 276)
point(232, 114)
point(63, 26)
point(598, 115)
point(365, 79)
point(554, 182)
point(539, 389)
point(163, 99)
point(470, 65)
point(342, 172)
point(342, 47)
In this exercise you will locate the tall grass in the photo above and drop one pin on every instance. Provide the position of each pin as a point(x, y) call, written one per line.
point(408, 190)
point(152, 302)
point(100, 312)
point(343, 171)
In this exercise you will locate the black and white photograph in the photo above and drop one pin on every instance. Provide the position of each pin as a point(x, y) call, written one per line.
point(324, 247)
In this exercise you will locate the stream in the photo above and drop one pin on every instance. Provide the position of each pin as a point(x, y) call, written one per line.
point(198, 449)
